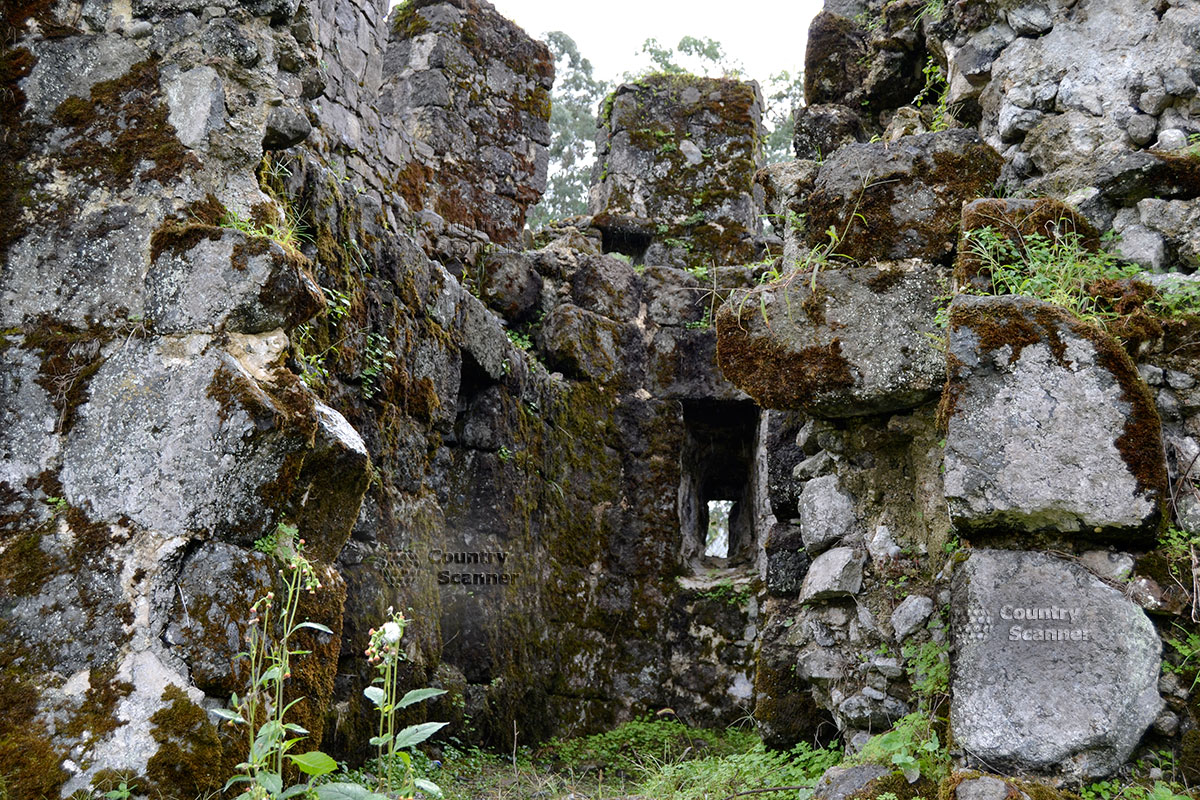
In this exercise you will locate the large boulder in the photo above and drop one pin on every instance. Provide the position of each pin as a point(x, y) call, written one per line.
point(900, 199)
point(1054, 670)
point(842, 343)
point(1049, 425)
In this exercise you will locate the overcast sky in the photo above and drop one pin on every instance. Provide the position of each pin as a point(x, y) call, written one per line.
point(765, 37)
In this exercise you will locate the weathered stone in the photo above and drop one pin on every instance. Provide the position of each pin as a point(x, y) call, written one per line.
point(510, 285)
point(1049, 426)
point(840, 343)
point(237, 456)
point(826, 514)
point(648, 199)
point(910, 615)
point(901, 199)
point(286, 127)
point(474, 89)
point(207, 279)
point(582, 343)
point(822, 129)
point(840, 783)
point(834, 60)
point(787, 561)
point(197, 102)
point(1053, 669)
point(834, 573)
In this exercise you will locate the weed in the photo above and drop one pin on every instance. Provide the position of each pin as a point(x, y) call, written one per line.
point(288, 234)
point(377, 359)
point(1187, 645)
point(262, 710)
point(935, 86)
point(912, 746)
point(520, 340)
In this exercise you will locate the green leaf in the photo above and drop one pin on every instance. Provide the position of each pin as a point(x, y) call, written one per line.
point(379, 741)
point(347, 791)
point(225, 713)
point(314, 763)
point(294, 728)
point(316, 626)
point(417, 695)
point(270, 781)
point(375, 695)
point(428, 787)
point(415, 734)
point(293, 791)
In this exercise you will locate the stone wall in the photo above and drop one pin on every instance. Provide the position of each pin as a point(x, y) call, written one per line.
point(267, 267)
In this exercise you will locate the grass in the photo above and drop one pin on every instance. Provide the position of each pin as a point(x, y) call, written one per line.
point(657, 758)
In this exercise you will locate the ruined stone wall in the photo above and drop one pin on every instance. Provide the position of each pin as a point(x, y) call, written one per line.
point(221, 314)
point(1009, 520)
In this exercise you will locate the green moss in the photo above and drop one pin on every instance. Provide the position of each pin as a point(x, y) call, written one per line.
point(189, 761)
point(898, 786)
point(16, 182)
point(96, 717)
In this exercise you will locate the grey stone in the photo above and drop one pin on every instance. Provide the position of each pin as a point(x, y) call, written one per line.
point(1071, 692)
point(983, 788)
point(834, 573)
point(1171, 139)
point(286, 127)
point(228, 281)
point(826, 514)
point(839, 783)
point(875, 711)
point(1140, 128)
point(1115, 567)
point(1031, 19)
point(1035, 436)
point(814, 466)
point(821, 665)
point(881, 546)
point(581, 343)
point(856, 345)
point(910, 615)
point(129, 435)
point(196, 101)
point(821, 129)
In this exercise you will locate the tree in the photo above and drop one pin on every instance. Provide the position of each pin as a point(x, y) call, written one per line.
point(576, 96)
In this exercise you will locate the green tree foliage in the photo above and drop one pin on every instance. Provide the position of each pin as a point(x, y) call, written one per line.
point(576, 96)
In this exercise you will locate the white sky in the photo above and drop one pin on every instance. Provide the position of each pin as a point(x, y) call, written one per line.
point(765, 37)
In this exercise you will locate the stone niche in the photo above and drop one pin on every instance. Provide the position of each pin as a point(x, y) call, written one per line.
point(673, 181)
point(1054, 670)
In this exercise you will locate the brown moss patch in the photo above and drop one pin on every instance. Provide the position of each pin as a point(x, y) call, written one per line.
point(96, 717)
point(120, 127)
point(16, 183)
point(70, 357)
point(775, 375)
point(189, 761)
point(177, 239)
point(32, 767)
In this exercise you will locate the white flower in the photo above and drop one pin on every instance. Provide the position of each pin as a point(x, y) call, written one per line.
point(391, 632)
